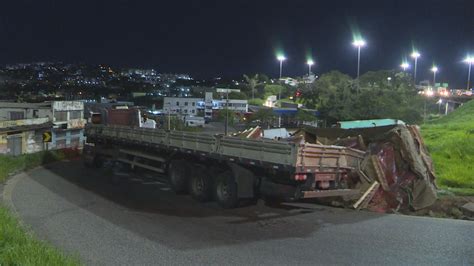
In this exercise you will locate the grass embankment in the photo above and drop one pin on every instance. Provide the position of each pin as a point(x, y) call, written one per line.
point(450, 140)
point(17, 247)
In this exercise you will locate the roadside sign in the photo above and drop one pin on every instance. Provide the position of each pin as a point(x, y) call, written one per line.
point(47, 137)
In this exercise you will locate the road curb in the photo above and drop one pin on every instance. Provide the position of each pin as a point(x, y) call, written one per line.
point(6, 195)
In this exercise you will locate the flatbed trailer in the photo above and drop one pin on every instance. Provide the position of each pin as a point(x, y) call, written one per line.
point(228, 169)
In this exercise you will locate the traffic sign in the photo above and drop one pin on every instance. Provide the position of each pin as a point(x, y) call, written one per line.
point(47, 136)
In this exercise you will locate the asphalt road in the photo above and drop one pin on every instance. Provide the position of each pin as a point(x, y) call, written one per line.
point(145, 223)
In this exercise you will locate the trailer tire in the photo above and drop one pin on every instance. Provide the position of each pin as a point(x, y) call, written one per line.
point(178, 176)
point(226, 190)
point(97, 162)
point(200, 187)
point(87, 163)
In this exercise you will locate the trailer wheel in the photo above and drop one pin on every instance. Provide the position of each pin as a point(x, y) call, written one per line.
point(226, 190)
point(178, 176)
point(98, 162)
point(200, 186)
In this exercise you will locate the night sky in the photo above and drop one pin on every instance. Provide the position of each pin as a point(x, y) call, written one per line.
point(228, 38)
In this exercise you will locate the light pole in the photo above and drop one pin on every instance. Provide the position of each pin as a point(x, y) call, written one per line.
point(358, 43)
point(226, 113)
point(404, 65)
point(415, 56)
point(309, 62)
point(434, 69)
point(169, 116)
point(470, 61)
point(428, 94)
point(280, 58)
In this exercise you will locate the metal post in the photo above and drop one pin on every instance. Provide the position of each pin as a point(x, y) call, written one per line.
point(414, 76)
point(424, 116)
point(279, 93)
point(434, 79)
point(226, 113)
point(169, 116)
point(309, 70)
point(469, 76)
point(281, 65)
point(358, 62)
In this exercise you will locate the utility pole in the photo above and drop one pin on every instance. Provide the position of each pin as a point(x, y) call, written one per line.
point(226, 112)
point(169, 116)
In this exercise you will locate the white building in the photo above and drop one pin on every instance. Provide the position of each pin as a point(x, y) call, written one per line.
point(208, 105)
point(182, 106)
point(271, 101)
point(240, 106)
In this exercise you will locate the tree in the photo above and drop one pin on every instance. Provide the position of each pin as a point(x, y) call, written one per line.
point(332, 95)
point(379, 94)
point(264, 116)
point(231, 116)
point(237, 95)
point(274, 89)
point(305, 116)
point(256, 101)
point(252, 83)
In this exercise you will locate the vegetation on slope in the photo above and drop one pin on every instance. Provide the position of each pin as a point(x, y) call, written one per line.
point(450, 141)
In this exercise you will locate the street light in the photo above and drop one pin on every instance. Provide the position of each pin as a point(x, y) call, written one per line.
point(434, 69)
point(309, 62)
point(358, 43)
point(470, 61)
point(415, 55)
point(280, 58)
point(404, 65)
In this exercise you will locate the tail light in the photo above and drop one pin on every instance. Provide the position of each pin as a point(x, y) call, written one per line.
point(300, 177)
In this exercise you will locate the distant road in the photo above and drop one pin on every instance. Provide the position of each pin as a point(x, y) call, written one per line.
point(145, 223)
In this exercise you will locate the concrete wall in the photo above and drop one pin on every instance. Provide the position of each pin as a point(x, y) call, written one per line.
point(28, 112)
point(31, 141)
point(67, 132)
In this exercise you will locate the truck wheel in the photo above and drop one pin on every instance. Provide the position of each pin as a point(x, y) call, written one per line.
point(226, 190)
point(200, 187)
point(87, 163)
point(178, 176)
point(97, 162)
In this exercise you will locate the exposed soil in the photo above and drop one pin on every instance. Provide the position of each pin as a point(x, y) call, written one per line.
point(447, 206)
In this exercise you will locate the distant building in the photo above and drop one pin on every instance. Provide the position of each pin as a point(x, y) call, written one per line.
point(271, 101)
point(240, 106)
point(183, 106)
point(290, 81)
point(22, 126)
point(208, 105)
point(308, 79)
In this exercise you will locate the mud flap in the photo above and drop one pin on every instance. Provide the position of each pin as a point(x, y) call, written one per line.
point(245, 180)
